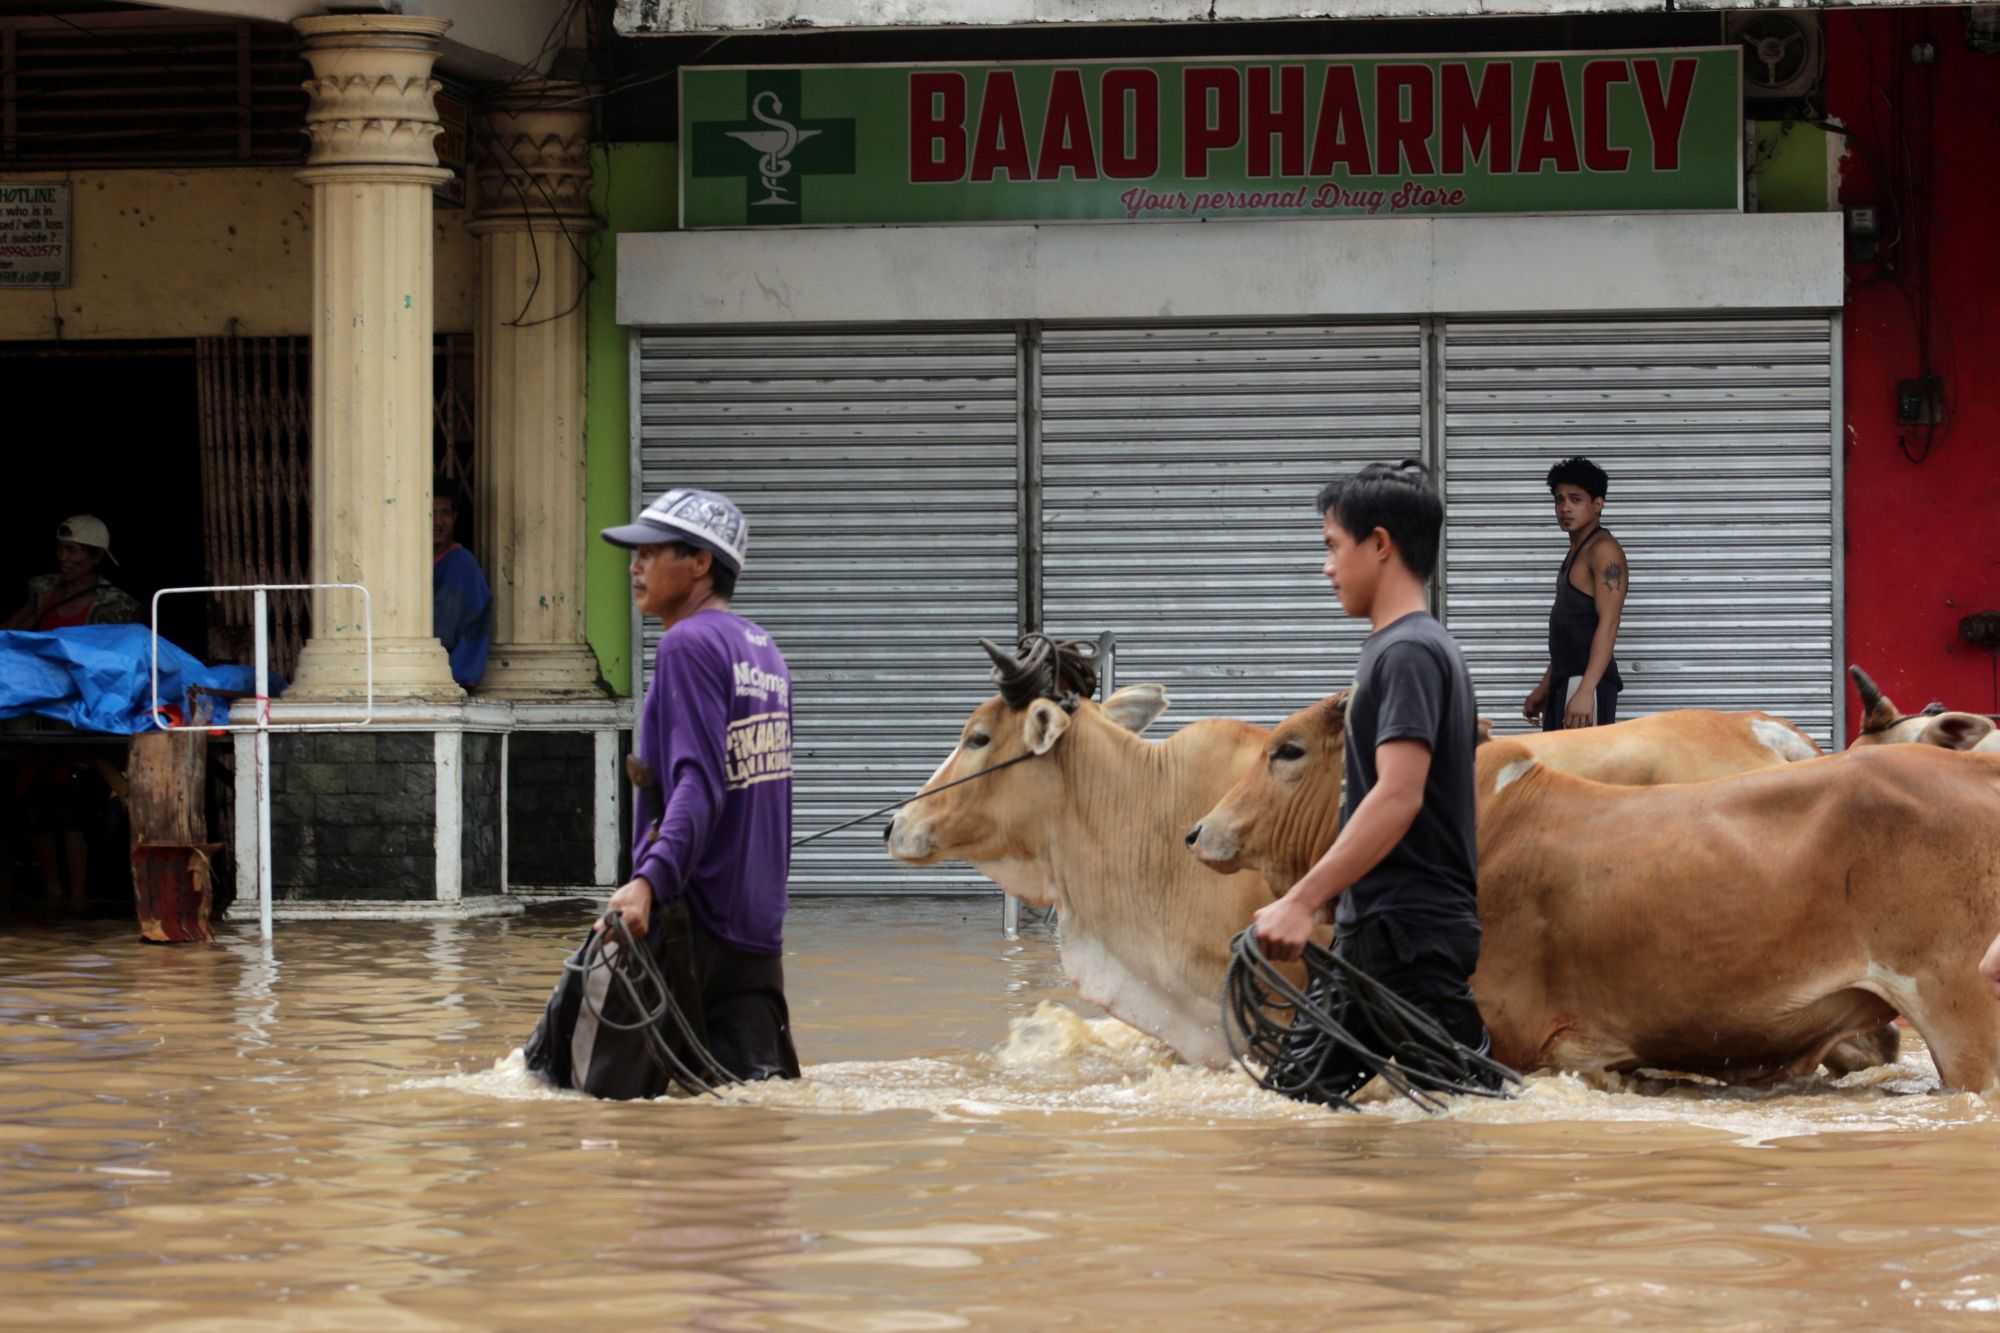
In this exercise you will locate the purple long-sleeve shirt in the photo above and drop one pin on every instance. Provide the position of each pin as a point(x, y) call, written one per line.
point(717, 731)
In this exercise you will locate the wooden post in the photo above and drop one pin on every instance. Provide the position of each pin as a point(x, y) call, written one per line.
point(166, 798)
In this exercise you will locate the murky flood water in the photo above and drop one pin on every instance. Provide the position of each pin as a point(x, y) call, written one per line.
point(199, 1137)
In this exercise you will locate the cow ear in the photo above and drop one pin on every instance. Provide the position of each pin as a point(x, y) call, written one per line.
point(1137, 707)
point(1955, 731)
point(1336, 713)
point(1043, 726)
point(1485, 731)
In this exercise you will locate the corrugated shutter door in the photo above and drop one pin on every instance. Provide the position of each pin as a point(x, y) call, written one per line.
point(879, 475)
point(1179, 471)
point(1717, 435)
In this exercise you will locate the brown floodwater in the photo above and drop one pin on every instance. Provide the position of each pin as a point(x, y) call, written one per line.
point(339, 1135)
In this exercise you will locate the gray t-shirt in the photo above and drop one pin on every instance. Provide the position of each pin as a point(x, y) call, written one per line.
point(1411, 684)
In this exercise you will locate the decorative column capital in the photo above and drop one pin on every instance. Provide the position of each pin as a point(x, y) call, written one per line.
point(374, 102)
point(531, 155)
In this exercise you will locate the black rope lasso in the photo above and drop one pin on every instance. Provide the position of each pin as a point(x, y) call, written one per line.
point(635, 972)
point(1285, 1038)
point(1063, 671)
point(908, 800)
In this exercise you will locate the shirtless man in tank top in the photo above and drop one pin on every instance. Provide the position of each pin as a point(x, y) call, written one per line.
point(1581, 685)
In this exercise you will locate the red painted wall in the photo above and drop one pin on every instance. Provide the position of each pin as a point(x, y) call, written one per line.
point(1923, 537)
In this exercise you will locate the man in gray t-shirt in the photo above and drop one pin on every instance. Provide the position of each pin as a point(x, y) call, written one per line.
point(1405, 864)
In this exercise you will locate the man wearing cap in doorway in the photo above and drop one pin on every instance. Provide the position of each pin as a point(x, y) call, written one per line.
point(76, 594)
point(56, 801)
point(714, 809)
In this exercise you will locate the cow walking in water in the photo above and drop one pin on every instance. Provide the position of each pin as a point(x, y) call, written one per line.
point(1741, 928)
point(1073, 810)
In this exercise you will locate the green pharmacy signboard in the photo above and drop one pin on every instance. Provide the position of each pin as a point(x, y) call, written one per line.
point(1118, 141)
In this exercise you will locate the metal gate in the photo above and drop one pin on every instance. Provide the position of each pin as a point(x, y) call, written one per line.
point(1178, 471)
point(880, 474)
point(1718, 435)
point(910, 491)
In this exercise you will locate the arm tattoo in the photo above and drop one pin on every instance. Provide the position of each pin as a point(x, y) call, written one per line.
point(1614, 574)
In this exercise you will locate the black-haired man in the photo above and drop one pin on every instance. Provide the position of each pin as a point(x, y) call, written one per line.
point(1405, 866)
point(1581, 685)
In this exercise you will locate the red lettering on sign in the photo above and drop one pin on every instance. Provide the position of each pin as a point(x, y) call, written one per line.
point(1285, 121)
point(1598, 76)
point(937, 122)
point(1548, 135)
point(1001, 141)
point(1482, 120)
point(1340, 137)
point(1402, 138)
point(1141, 159)
point(1666, 112)
point(1201, 136)
point(1066, 131)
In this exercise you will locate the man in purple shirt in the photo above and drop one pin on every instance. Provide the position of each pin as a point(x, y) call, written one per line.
point(714, 816)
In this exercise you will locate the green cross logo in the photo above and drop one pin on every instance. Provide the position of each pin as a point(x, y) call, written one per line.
point(773, 148)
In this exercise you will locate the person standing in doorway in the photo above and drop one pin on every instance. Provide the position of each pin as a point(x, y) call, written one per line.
point(1580, 688)
point(461, 603)
point(59, 801)
point(77, 593)
point(714, 804)
point(1405, 866)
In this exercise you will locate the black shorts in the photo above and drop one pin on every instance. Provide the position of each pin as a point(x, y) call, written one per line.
point(743, 1002)
point(1428, 966)
point(1607, 709)
point(591, 1036)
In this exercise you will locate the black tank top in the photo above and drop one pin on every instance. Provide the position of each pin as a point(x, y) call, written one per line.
point(1573, 624)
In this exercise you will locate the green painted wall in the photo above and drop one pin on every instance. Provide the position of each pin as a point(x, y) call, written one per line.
point(1791, 167)
point(634, 191)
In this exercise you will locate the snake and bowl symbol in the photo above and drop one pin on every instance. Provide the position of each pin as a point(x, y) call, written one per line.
point(775, 145)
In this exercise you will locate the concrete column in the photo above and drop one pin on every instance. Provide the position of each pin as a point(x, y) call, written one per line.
point(533, 219)
point(372, 166)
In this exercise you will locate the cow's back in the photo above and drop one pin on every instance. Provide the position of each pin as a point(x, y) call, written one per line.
point(1685, 745)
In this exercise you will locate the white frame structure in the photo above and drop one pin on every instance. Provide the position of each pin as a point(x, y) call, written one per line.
point(260, 593)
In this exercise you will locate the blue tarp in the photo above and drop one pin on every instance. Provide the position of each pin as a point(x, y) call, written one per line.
point(100, 677)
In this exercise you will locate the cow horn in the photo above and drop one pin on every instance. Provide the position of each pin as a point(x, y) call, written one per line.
point(1003, 661)
point(1020, 680)
point(1870, 695)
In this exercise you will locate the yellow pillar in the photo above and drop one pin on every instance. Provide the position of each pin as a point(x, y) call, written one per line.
point(533, 219)
point(372, 166)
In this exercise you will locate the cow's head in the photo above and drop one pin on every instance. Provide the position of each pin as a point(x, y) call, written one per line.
point(1285, 812)
point(1884, 724)
point(1013, 738)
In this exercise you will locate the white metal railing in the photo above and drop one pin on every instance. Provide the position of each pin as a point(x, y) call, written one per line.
point(263, 726)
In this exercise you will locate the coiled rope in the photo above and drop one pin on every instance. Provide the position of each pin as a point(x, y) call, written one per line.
point(1294, 1041)
point(638, 977)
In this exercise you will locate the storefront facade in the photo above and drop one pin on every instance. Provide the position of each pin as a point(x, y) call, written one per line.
point(946, 432)
point(343, 278)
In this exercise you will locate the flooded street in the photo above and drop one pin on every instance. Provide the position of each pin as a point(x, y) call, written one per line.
point(199, 1137)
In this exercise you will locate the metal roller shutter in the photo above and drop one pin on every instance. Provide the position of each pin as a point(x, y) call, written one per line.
point(1718, 436)
point(879, 473)
point(1179, 468)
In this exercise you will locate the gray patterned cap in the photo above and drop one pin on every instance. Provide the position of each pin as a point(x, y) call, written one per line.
point(707, 519)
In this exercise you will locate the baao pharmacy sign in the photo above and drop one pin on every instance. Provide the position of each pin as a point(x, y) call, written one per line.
point(1119, 141)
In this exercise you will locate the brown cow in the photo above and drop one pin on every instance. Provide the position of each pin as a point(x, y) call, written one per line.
point(1742, 927)
point(1688, 745)
point(1885, 724)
